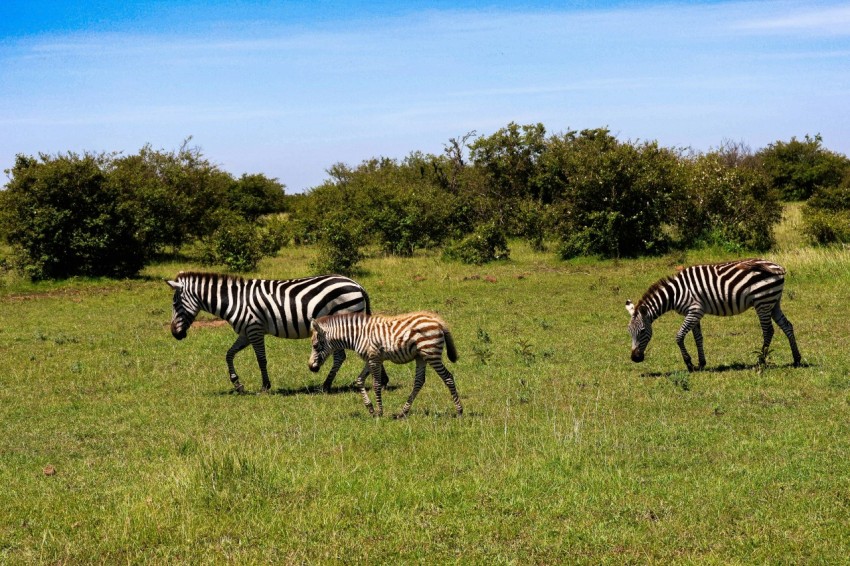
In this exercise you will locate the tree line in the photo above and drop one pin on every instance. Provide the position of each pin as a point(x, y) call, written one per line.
point(577, 193)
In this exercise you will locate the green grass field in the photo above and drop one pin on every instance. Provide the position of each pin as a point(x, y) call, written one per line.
point(567, 451)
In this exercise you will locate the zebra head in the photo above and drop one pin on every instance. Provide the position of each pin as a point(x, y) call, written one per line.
point(321, 348)
point(641, 332)
point(184, 310)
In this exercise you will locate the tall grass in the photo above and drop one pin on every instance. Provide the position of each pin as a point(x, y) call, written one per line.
point(567, 452)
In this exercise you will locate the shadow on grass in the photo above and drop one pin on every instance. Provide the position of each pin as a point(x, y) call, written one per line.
point(737, 366)
point(304, 390)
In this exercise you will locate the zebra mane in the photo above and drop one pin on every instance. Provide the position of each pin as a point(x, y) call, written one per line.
point(653, 289)
point(754, 264)
point(206, 275)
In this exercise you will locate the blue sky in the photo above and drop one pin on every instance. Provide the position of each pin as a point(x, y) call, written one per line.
point(287, 89)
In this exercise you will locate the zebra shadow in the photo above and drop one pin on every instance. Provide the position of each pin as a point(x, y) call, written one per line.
point(723, 368)
point(315, 389)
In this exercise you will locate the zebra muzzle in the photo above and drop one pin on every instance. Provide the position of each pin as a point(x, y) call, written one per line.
point(179, 333)
point(637, 356)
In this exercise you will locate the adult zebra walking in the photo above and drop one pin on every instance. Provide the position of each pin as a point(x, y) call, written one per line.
point(722, 289)
point(256, 307)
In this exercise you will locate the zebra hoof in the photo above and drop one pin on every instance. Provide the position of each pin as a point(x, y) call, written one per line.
point(399, 416)
point(239, 388)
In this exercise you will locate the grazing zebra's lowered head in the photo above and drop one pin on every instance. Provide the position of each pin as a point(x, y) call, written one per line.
point(185, 307)
point(640, 331)
point(721, 289)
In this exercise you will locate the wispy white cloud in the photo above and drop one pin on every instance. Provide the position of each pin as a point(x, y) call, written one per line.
point(810, 20)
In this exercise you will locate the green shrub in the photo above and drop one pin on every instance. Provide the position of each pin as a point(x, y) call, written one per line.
point(799, 167)
point(612, 198)
point(63, 218)
point(826, 216)
point(252, 196)
point(239, 245)
point(730, 206)
point(235, 244)
point(486, 243)
point(339, 248)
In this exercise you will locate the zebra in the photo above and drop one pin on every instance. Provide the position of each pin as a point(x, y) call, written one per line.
point(418, 336)
point(722, 289)
point(256, 307)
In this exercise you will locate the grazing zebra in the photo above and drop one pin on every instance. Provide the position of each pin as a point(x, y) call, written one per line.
point(401, 339)
point(256, 307)
point(722, 289)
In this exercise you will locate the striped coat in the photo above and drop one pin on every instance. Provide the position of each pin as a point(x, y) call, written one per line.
point(722, 289)
point(257, 307)
point(418, 336)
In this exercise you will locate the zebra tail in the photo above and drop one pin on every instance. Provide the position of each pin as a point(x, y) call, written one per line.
point(368, 304)
point(451, 352)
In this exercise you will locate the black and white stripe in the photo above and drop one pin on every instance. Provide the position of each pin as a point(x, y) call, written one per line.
point(418, 336)
point(256, 307)
point(722, 289)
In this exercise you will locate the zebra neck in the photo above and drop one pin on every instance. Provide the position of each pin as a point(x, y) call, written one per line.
point(662, 299)
point(219, 294)
point(350, 332)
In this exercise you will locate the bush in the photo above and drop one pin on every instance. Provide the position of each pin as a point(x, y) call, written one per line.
point(826, 216)
point(339, 248)
point(612, 197)
point(63, 218)
point(253, 196)
point(240, 245)
point(730, 206)
point(486, 243)
point(798, 167)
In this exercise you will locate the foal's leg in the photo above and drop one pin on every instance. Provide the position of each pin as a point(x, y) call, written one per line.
point(360, 383)
point(418, 382)
point(449, 380)
point(339, 357)
point(376, 368)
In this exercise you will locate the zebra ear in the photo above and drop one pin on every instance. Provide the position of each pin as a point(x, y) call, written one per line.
point(175, 285)
point(314, 326)
point(630, 307)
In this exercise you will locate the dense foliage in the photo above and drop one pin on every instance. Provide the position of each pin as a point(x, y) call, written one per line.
point(799, 167)
point(109, 215)
point(585, 193)
point(826, 215)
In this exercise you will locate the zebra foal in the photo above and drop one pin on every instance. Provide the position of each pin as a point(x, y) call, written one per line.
point(722, 289)
point(418, 336)
point(256, 307)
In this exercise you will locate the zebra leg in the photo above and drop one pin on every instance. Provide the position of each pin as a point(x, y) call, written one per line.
point(697, 331)
point(376, 367)
point(691, 320)
point(766, 323)
point(238, 346)
point(418, 382)
point(449, 380)
point(788, 329)
point(360, 383)
point(339, 357)
point(258, 342)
